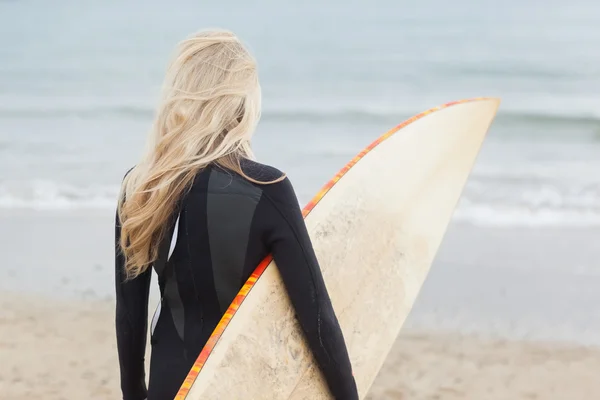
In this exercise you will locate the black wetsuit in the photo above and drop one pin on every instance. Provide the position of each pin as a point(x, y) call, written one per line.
point(226, 226)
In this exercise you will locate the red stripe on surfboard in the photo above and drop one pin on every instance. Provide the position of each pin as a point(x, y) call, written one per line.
point(241, 296)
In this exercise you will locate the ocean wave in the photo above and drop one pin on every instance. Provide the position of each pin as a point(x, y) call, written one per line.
point(398, 115)
point(380, 113)
point(47, 195)
point(299, 114)
point(511, 216)
point(538, 118)
point(515, 71)
point(77, 112)
point(532, 192)
point(485, 206)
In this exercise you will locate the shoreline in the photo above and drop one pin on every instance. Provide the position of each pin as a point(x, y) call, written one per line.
point(513, 283)
point(57, 350)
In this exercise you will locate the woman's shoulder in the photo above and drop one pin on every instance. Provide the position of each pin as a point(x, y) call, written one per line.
point(273, 182)
point(261, 172)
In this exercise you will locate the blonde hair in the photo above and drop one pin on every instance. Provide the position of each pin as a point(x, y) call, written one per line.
point(209, 111)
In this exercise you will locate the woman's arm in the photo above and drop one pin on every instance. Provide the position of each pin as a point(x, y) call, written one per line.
point(131, 325)
point(299, 269)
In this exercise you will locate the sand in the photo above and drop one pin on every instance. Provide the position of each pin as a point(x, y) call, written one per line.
point(51, 349)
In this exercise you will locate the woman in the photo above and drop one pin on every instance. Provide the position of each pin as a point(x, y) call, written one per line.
point(198, 184)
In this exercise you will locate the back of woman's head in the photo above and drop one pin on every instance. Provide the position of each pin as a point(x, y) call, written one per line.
point(208, 113)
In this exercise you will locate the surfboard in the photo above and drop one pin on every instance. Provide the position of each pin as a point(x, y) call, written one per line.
point(375, 227)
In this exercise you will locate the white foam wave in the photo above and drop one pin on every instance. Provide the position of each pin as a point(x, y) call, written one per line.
point(480, 205)
point(47, 195)
point(521, 201)
point(490, 216)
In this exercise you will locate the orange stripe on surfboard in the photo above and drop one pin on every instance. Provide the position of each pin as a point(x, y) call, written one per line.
point(241, 296)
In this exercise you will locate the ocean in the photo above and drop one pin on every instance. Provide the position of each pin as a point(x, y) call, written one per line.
point(79, 81)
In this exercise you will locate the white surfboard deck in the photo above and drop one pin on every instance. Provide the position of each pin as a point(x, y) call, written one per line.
point(375, 228)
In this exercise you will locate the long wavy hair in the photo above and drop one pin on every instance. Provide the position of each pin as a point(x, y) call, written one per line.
point(209, 110)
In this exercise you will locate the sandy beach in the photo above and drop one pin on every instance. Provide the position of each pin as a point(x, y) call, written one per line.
point(56, 350)
point(57, 330)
